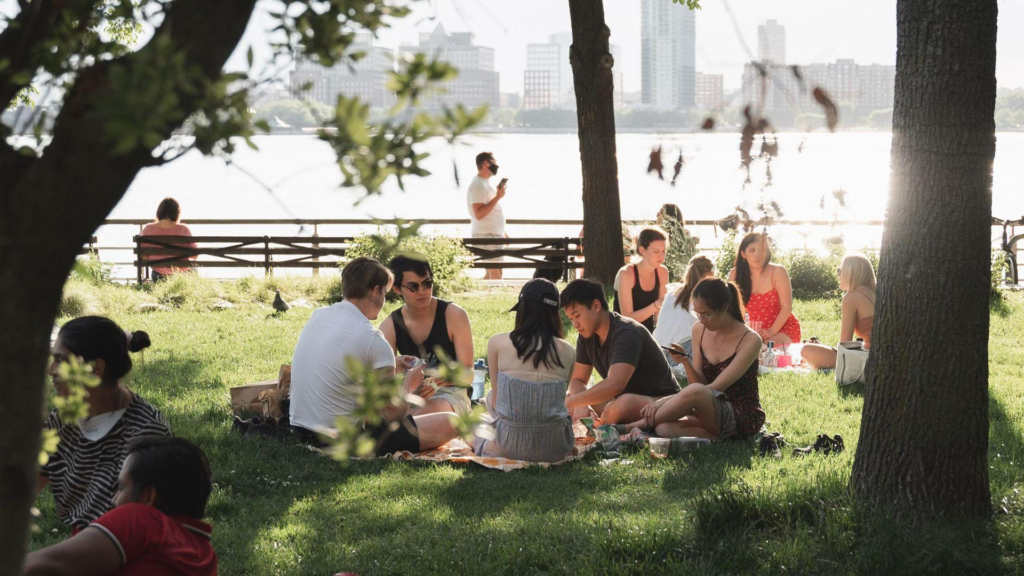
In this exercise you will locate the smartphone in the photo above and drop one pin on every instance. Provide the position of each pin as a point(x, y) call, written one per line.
point(502, 183)
point(675, 351)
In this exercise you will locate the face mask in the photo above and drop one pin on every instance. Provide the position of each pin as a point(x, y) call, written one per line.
point(494, 169)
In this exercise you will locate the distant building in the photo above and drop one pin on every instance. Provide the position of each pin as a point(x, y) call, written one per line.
point(877, 84)
point(539, 89)
point(366, 78)
point(710, 91)
point(668, 42)
point(509, 100)
point(869, 87)
point(771, 42)
point(477, 82)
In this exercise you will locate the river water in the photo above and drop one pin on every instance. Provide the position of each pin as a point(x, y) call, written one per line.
point(545, 182)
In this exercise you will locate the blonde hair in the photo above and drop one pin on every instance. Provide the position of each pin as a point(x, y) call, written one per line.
point(700, 266)
point(856, 269)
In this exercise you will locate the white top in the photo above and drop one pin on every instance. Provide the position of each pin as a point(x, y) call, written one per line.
point(675, 325)
point(322, 389)
point(481, 192)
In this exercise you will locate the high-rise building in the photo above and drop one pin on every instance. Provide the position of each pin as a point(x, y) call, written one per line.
point(710, 90)
point(868, 87)
point(366, 78)
point(539, 89)
point(771, 42)
point(477, 82)
point(877, 85)
point(542, 79)
point(668, 45)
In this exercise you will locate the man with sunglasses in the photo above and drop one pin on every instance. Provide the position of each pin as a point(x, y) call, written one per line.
point(486, 215)
point(426, 324)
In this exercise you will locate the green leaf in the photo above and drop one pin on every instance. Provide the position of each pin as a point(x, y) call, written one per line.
point(248, 57)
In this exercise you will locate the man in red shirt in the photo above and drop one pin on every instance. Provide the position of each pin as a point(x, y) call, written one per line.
point(155, 527)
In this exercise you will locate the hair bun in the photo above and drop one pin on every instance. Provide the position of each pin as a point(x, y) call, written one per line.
point(140, 341)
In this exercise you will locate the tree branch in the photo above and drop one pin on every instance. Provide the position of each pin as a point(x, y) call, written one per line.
point(79, 171)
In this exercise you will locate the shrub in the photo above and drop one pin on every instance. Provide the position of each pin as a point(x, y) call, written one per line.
point(78, 299)
point(812, 275)
point(92, 270)
point(448, 258)
point(727, 253)
point(681, 247)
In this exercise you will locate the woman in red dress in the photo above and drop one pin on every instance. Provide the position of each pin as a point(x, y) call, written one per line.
point(767, 292)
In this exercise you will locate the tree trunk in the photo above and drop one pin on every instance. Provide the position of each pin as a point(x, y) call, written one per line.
point(924, 433)
point(49, 206)
point(595, 109)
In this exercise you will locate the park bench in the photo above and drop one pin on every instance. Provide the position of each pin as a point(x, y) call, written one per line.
point(89, 248)
point(314, 252)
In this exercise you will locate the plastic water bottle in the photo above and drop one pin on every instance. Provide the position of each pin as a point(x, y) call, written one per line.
point(770, 359)
point(479, 378)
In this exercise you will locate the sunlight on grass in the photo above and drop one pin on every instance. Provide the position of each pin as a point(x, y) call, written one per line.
point(278, 508)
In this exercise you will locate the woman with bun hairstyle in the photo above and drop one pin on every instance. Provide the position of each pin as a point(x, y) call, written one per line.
point(83, 473)
point(722, 400)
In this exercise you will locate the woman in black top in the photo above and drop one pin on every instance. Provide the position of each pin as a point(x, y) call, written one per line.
point(631, 299)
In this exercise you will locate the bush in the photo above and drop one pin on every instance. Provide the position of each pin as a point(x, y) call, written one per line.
point(812, 275)
point(727, 253)
point(448, 258)
point(92, 270)
point(78, 299)
point(681, 247)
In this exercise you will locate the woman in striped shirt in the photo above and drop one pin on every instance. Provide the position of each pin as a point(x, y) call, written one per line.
point(83, 473)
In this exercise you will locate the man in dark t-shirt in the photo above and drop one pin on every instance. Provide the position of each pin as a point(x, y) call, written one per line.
point(634, 370)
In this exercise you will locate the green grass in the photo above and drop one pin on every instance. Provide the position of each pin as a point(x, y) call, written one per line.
point(278, 508)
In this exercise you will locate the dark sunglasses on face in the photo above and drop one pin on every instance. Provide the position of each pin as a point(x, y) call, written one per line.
point(415, 286)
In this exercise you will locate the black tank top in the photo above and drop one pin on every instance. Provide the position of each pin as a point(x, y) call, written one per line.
point(438, 337)
point(642, 299)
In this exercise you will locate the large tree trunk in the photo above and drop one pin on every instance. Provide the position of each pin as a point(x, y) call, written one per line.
point(595, 110)
point(924, 434)
point(48, 208)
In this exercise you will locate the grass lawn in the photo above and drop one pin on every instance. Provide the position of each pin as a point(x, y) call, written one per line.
point(278, 508)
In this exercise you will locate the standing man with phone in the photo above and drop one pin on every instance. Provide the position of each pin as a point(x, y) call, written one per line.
point(487, 217)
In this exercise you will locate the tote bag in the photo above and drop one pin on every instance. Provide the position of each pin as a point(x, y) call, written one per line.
point(851, 360)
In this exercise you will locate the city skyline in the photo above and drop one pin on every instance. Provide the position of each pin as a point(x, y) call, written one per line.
point(813, 34)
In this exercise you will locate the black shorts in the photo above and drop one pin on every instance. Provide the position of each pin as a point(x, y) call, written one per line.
point(389, 437)
point(399, 436)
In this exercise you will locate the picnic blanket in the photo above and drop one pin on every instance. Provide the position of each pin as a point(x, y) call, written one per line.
point(459, 452)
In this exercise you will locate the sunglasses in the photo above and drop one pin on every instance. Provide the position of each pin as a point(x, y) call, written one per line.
point(415, 286)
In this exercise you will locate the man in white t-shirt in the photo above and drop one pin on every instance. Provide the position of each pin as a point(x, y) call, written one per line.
point(323, 389)
point(486, 215)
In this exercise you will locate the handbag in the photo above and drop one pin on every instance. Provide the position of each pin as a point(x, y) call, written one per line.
point(851, 360)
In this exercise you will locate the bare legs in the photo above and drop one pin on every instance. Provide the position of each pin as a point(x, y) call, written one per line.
point(780, 339)
point(691, 412)
point(821, 357)
point(435, 429)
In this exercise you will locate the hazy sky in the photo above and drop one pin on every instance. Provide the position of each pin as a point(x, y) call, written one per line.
point(816, 31)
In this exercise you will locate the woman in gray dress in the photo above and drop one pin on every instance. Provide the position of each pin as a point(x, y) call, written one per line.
point(530, 369)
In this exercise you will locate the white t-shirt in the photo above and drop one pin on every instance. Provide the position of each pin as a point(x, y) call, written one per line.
point(481, 192)
point(322, 389)
point(675, 324)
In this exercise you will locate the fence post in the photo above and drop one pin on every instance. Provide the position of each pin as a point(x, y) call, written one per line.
point(565, 259)
point(267, 270)
point(316, 234)
point(138, 258)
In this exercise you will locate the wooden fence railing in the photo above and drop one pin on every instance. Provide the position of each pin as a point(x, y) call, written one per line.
point(269, 252)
